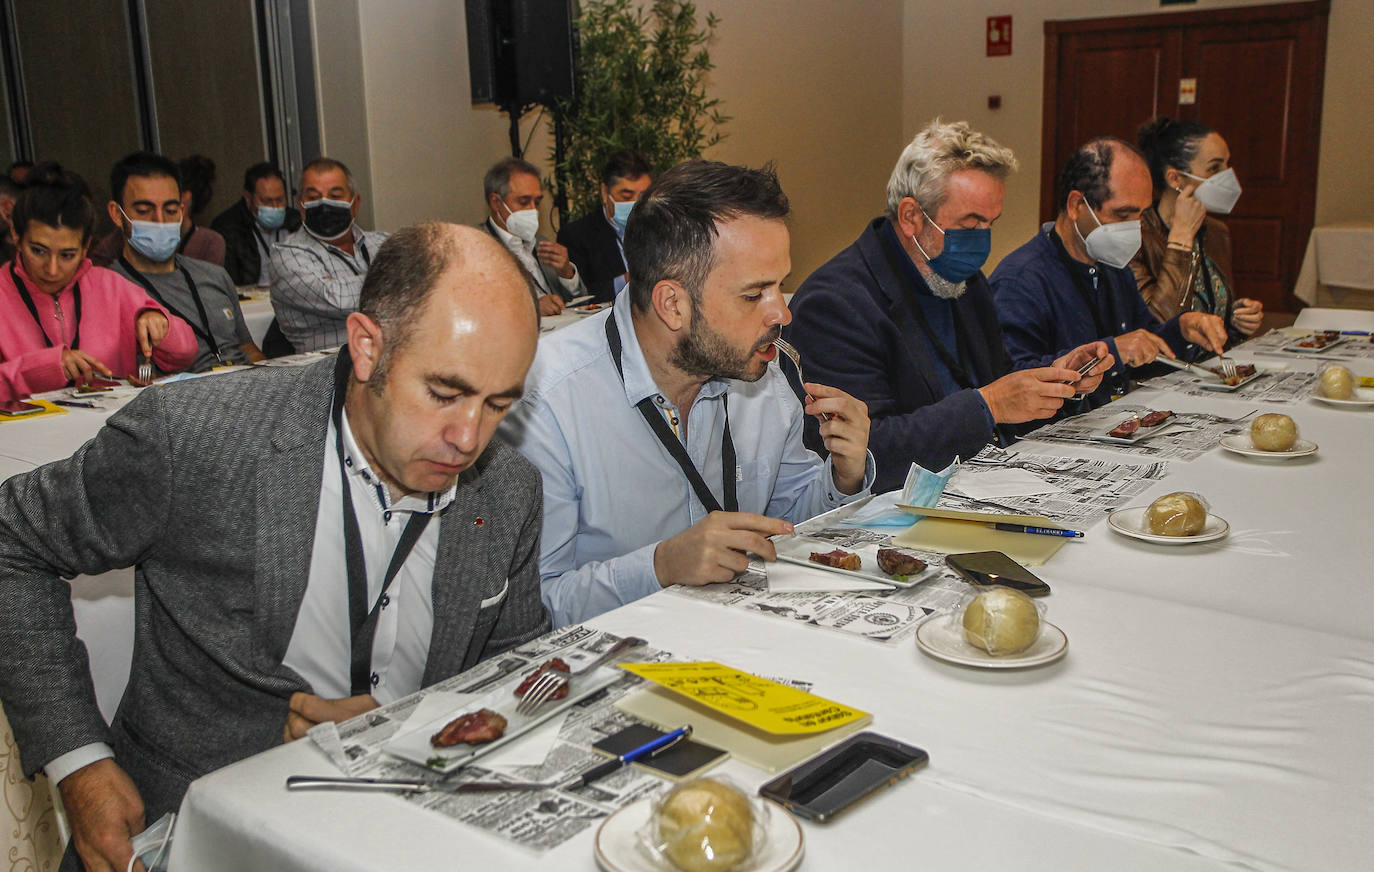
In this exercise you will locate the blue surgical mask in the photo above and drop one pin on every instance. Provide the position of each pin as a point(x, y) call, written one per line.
point(153, 239)
point(271, 217)
point(622, 212)
point(966, 250)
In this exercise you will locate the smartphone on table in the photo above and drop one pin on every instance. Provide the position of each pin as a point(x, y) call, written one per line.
point(838, 778)
point(16, 408)
point(989, 568)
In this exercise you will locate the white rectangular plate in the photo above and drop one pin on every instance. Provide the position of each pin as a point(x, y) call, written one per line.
point(1139, 435)
point(797, 549)
point(415, 746)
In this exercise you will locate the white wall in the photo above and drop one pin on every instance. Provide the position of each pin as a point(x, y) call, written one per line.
point(948, 73)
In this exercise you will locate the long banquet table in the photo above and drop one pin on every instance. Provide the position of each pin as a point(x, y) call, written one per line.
point(1214, 710)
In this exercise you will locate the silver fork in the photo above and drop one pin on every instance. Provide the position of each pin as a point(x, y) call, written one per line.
point(1217, 419)
point(145, 369)
point(552, 680)
point(795, 356)
point(1228, 368)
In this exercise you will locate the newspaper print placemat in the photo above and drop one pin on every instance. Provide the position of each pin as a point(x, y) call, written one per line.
point(537, 820)
point(1088, 490)
point(1185, 444)
point(1273, 387)
point(1355, 347)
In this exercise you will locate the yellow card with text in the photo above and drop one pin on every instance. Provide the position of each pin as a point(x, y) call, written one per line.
point(758, 702)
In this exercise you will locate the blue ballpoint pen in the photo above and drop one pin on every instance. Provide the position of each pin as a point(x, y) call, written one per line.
point(1039, 531)
point(648, 749)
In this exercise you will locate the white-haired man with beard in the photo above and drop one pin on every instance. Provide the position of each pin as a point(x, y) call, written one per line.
point(903, 318)
point(670, 448)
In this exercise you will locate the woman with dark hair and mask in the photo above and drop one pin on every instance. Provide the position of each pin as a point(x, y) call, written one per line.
point(63, 320)
point(1184, 262)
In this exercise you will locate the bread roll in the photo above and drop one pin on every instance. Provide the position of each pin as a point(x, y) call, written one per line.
point(705, 825)
point(1274, 432)
point(1001, 621)
point(1176, 514)
point(1338, 383)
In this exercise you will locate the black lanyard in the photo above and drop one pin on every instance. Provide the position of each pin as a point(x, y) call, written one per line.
point(952, 362)
point(362, 621)
point(33, 310)
point(1074, 269)
point(203, 331)
point(362, 246)
point(674, 445)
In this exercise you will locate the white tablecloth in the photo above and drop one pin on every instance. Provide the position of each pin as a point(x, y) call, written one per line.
point(1338, 266)
point(1214, 709)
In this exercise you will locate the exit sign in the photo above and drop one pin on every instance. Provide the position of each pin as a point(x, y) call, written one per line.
point(999, 35)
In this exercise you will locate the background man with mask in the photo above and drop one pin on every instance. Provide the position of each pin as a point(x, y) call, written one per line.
point(514, 193)
point(254, 223)
point(1072, 282)
point(903, 318)
point(147, 209)
point(670, 448)
point(9, 195)
point(596, 241)
point(318, 271)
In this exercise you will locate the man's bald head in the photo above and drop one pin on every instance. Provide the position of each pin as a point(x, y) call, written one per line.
point(470, 267)
point(1098, 167)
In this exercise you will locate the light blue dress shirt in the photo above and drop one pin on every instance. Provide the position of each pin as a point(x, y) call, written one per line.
point(619, 282)
point(612, 492)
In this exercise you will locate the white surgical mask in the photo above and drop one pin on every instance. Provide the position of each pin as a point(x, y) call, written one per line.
point(524, 224)
point(1218, 193)
point(1112, 244)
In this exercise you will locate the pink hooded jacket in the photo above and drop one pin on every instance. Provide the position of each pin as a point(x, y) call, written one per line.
point(110, 304)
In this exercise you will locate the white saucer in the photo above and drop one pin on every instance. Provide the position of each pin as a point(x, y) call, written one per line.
point(1242, 444)
point(1131, 522)
point(1363, 397)
point(942, 637)
point(618, 849)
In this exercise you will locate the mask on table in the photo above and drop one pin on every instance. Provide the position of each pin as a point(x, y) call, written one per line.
point(966, 250)
point(1111, 244)
point(523, 224)
point(153, 239)
point(1218, 193)
point(622, 213)
point(327, 219)
point(151, 846)
point(271, 217)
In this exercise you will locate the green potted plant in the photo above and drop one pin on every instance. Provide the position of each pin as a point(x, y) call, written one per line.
point(640, 85)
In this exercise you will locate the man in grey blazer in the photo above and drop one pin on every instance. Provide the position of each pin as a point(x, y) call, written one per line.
point(287, 572)
point(514, 194)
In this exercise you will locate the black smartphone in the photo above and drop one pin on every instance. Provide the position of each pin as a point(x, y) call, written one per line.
point(838, 778)
point(988, 568)
point(15, 408)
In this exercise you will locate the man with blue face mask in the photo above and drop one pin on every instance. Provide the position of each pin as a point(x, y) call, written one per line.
point(596, 241)
point(1072, 282)
point(317, 272)
point(903, 318)
point(254, 224)
point(147, 207)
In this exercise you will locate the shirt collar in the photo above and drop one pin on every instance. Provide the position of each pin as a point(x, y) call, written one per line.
point(355, 462)
point(510, 240)
point(639, 382)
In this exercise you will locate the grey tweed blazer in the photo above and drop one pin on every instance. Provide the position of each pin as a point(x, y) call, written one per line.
point(210, 488)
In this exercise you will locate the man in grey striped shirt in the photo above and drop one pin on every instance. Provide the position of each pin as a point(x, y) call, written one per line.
point(317, 272)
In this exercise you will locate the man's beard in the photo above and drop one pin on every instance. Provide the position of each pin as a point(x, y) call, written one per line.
point(943, 287)
point(704, 352)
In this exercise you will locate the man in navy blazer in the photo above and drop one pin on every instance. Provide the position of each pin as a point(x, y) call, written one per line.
point(903, 318)
point(596, 241)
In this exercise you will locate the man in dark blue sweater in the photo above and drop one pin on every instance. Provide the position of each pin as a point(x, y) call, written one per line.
point(903, 318)
point(1072, 283)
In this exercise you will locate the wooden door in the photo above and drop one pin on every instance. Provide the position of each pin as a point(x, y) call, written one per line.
point(1259, 74)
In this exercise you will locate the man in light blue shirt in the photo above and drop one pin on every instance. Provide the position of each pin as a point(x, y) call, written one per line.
point(670, 449)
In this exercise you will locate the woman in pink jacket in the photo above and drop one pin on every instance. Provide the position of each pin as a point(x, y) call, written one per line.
point(63, 320)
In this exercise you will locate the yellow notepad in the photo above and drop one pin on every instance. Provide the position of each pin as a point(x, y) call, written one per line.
point(766, 705)
point(951, 531)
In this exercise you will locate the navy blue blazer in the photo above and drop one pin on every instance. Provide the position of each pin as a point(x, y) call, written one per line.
point(592, 245)
point(856, 331)
point(1044, 315)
